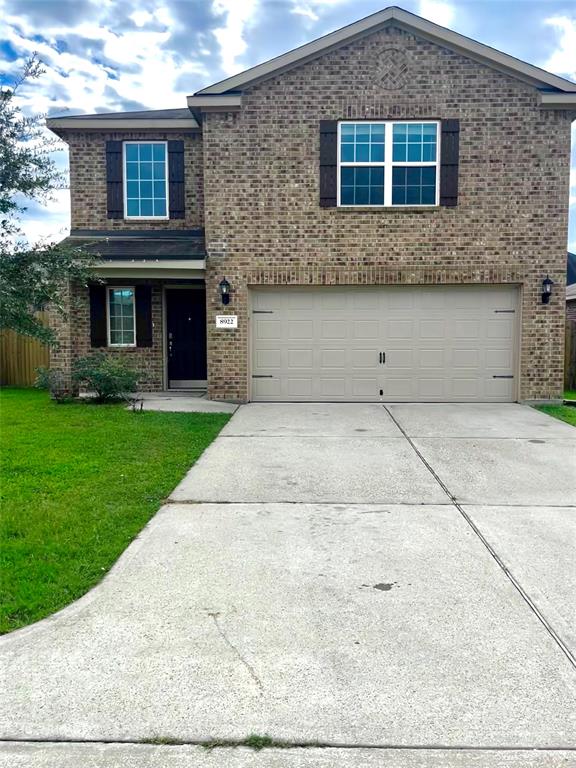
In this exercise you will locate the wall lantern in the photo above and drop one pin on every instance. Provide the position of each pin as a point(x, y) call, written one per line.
point(546, 290)
point(224, 289)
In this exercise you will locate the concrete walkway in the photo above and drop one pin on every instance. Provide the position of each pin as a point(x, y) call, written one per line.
point(395, 582)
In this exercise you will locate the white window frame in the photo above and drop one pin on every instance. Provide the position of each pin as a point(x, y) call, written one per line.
point(110, 288)
point(125, 183)
point(389, 163)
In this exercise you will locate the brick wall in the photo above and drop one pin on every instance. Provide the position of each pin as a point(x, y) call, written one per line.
point(264, 224)
point(88, 180)
point(74, 335)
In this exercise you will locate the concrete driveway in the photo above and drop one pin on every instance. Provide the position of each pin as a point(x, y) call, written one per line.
point(395, 582)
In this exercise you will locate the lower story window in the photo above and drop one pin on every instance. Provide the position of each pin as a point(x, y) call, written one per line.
point(121, 321)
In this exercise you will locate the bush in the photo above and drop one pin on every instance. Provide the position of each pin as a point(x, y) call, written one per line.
point(109, 377)
point(53, 381)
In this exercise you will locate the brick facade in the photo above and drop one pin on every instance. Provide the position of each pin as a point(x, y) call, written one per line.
point(88, 180)
point(263, 219)
point(74, 335)
point(252, 182)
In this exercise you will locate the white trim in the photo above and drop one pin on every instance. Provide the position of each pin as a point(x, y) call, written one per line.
point(412, 23)
point(558, 100)
point(125, 181)
point(389, 164)
point(216, 102)
point(104, 124)
point(110, 288)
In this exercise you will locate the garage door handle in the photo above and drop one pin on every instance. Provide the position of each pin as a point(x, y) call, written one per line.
point(382, 358)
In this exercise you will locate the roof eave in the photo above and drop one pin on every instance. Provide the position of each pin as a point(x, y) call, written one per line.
point(61, 125)
point(408, 21)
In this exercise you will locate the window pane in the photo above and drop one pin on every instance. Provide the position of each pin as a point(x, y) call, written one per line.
point(347, 153)
point(145, 189)
point(159, 171)
point(145, 152)
point(362, 153)
point(362, 176)
point(414, 153)
point(429, 130)
point(146, 208)
point(159, 152)
point(131, 170)
point(362, 195)
point(377, 133)
point(399, 153)
point(377, 153)
point(398, 196)
point(160, 189)
point(133, 208)
point(414, 132)
point(429, 153)
point(132, 189)
point(159, 208)
point(399, 133)
point(347, 176)
point(376, 195)
point(362, 132)
point(132, 152)
point(347, 132)
point(347, 196)
point(145, 170)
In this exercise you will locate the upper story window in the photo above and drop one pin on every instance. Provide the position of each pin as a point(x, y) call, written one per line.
point(388, 163)
point(145, 180)
point(121, 317)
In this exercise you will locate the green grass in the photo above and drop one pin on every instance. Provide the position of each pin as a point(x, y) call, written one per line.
point(79, 481)
point(565, 413)
point(570, 394)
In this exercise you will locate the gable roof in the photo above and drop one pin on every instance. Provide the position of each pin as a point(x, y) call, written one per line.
point(394, 16)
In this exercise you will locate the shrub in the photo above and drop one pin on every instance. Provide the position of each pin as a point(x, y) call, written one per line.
point(54, 382)
point(109, 377)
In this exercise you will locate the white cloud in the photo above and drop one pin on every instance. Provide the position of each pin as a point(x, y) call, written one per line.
point(312, 9)
point(239, 14)
point(563, 59)
point(437, 11)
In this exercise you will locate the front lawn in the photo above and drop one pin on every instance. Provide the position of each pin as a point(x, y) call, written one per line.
point(79, 482)
point(565, 413)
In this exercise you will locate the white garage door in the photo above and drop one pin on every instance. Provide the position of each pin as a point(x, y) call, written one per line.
point(442, 343)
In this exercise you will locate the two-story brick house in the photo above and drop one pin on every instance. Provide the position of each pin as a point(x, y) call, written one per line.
point(376, 214)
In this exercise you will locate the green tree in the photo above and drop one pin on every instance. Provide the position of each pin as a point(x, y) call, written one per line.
point(32, 275)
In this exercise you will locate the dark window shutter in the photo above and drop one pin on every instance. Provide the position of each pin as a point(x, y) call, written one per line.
point(143, 316)
point(449, 162)
point(176, 179)
point(98, 329)
point(328, 163)
point(114, 191)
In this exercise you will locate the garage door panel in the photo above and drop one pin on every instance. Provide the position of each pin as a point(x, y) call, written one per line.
point(366, 329)
point(441, 343)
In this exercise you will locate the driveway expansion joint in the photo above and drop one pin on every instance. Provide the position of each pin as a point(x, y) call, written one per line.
point(523, 594)
point(210, 744)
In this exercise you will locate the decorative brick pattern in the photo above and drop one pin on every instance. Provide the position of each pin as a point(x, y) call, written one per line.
point(88, 181)
point(265, 227)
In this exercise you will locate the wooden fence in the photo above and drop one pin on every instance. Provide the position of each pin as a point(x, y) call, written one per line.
point(20, 356)
point(570, 355)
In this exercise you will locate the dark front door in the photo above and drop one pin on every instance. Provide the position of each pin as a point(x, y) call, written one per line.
point(186, 336)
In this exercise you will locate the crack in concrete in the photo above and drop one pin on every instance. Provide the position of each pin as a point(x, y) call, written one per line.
point(523, 594)
point(251, 671)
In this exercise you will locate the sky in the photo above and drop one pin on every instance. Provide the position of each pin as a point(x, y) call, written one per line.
point(113, 55)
